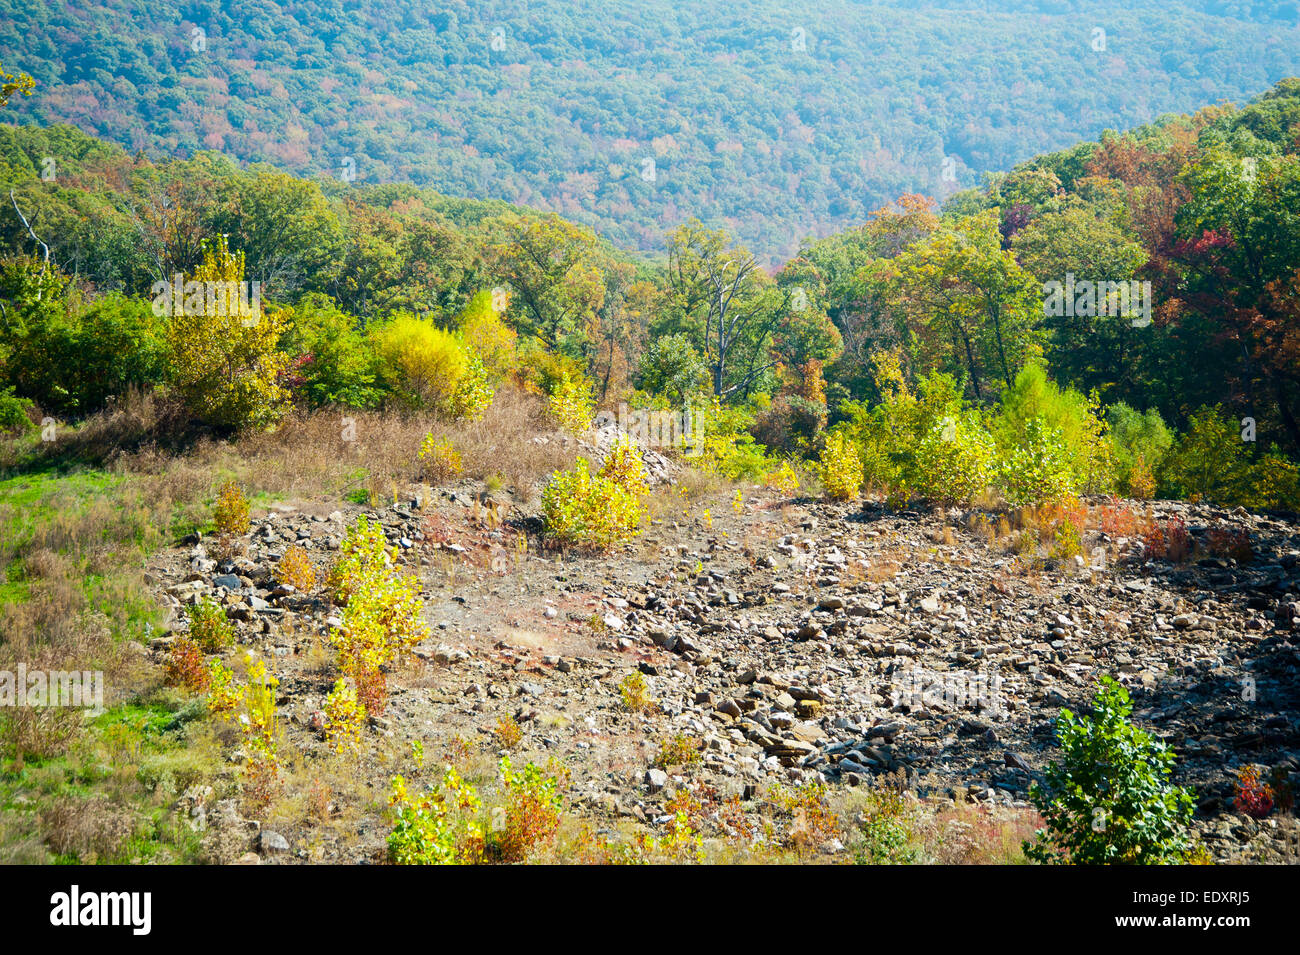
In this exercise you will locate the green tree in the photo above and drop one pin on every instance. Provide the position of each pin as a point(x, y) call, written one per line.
point(1109, 800)
point(971, 306)
point(554, 270)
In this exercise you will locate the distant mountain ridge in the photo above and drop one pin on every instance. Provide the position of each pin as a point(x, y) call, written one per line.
point(774, 123)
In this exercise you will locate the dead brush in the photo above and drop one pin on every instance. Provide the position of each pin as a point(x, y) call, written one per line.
point(88, 830)
point(1116, 521)
point(319, 798)
point(1168, 540)
point(1231, 543)
point(326, 452)
point(978, 525)
point(961, 833)
point(885, 565)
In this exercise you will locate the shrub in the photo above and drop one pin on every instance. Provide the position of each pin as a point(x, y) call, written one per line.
point(344, 719)
point(223, 692)
point(508, 732)
point(1168, 541)
point(15, 412)
point(363, 553)
point(624, 466)
point(423, 364)
point(230, 515)
point(295, 569)
point(1230, 542)
point(1272, 483)
point(1209, 460)
point(812, 821)
point(1038, 470)
point(790, 425)
point(678, 750)
point(261, 737)
point(532, 811)
point(209, 627)
point(840, 467)
point(382, 617)
point(889, 434)
point(227, 368)
point(954, 461)
point(1109, 800)
point(488, 337)
point(473, 394)
point(1252, 795)
point(71, 358)
point(445, 826)
point(720, 441)
point(1140, 480)
point(439, 460)
point(570, 404)
point(885, 834)
point(340, 363)
point(1141, 442)
point(1069, 541)
point(783, 479)
point(186, 667)
point(1033, 406)
point(635, 694)
point(428, 830)
point(589, 510)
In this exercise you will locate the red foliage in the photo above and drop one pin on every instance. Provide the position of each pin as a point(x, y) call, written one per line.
point(1253, 796)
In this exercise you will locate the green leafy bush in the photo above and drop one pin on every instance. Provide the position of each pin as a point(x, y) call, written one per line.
point(954, 461)
point(840, 467)
point(889, 434)
point(722, 443)
point(432, 828)
point(71, 360)
point(1141, 442)
point(1085, 449)
point(14, 412)
point(1037, 470)
point(1272, 483)
point(209, 626)
point(338, 364)
point(1109, 799)
point(1209, 460)
point(582, 509)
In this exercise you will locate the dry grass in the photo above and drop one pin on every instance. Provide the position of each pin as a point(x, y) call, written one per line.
point(885, 564)
point(91, 830)
point(962, 833)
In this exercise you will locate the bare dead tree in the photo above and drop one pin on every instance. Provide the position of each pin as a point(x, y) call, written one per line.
point(27, 225)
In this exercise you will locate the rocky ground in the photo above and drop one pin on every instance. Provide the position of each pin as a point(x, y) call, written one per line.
point(793, 638)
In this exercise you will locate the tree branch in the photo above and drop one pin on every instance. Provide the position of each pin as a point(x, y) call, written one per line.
point(28, 227)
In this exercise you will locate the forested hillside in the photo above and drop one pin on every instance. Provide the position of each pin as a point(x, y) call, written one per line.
point(1199, 210)
point(631, 117)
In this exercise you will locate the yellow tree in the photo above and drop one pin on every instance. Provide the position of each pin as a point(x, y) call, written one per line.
point(11, 83)
point(226, 364)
